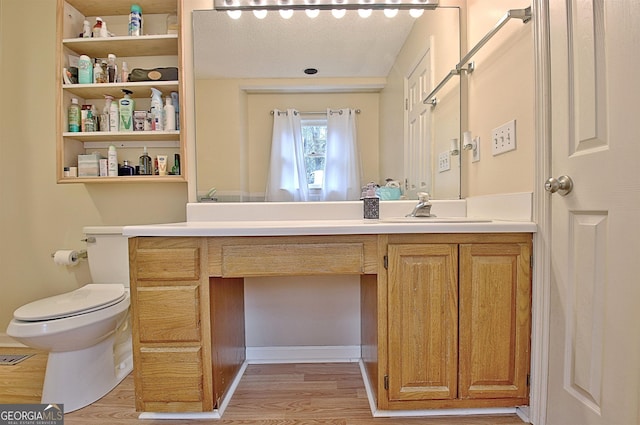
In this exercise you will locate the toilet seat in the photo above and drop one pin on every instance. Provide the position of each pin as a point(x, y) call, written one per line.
point(91, 297)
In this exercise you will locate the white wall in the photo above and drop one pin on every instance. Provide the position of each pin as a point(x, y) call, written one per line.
point(500, 89)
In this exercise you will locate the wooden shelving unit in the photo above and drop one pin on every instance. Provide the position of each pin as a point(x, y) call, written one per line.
point(154, 49)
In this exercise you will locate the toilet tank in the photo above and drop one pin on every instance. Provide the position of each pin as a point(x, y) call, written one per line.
point(107, 254)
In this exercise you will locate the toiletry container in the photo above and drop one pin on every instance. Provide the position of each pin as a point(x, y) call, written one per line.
point(124, 73)
point(97, 28)
point(85, 70)
point(114, 116)
point(135, 20)
point(157, 110)
point(146, 165)
point(112, 68)
point(169, 115)
point(74, 116)
point(126, 105)
point(112, 162)
point(126, 169)
point(176, 165)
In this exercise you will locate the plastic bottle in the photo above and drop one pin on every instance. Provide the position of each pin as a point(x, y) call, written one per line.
point(124, 71)
point(85, 70)
point(157, 110)
point(127, 105)
point(98, 73)
point(86, 29)
point(169, 115)
point(74, 116)
point(135, 20)
point(176, 105)
point(97, 28)
point(114, 114)
point(112, 68)
point(112, 162)
point(146, 165)
point(176, 165)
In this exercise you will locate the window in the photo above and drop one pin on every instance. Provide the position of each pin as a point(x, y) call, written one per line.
point(314, 137)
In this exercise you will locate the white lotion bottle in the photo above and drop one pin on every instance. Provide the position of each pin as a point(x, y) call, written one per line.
point(169, 115)
point(112, 162)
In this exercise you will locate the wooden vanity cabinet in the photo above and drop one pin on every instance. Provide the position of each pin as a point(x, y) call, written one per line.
point(171, 326)
point(459, 321)
point(446, 318)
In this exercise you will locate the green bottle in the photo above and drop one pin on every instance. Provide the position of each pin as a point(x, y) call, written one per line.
point(127, 105)
point(74, 116)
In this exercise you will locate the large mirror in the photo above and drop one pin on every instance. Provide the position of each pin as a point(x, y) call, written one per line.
point(380, 67)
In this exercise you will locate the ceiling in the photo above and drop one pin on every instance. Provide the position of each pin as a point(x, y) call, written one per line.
point(282, 48)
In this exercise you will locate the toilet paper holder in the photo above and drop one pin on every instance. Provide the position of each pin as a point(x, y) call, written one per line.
point(80, 254)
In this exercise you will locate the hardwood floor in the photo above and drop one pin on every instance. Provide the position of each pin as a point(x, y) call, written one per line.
point(273, 394)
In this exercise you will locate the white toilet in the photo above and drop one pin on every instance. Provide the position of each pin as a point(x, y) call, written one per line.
point(87, 332)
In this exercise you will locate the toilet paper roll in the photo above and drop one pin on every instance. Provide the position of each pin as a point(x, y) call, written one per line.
point(66, 257)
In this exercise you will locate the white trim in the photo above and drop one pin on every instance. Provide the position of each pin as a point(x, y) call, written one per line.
point(541, 215)
point(427, 412)
point(304, 354)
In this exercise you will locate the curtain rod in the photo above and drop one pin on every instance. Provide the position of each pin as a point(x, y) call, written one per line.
point(357, 111)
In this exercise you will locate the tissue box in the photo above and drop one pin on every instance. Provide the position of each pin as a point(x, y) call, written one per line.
point(89, 165)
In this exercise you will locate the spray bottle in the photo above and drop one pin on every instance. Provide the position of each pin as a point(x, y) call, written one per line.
point(127, 106)
point(157, 110)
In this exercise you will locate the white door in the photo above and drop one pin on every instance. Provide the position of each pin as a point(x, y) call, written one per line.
point(594, 345)
point(417, 159)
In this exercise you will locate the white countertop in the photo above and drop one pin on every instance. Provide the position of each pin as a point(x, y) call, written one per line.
point(321, 227)
point(343, 218)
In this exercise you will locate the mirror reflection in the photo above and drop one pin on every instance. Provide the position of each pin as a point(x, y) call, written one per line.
point(380, 69)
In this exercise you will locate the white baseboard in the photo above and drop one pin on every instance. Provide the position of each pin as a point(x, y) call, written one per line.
point(425, 412)
point(304, 354)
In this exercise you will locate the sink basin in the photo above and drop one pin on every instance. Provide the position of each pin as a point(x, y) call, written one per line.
point(433, 220)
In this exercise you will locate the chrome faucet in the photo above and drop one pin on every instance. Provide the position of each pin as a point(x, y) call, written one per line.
point(423, 208)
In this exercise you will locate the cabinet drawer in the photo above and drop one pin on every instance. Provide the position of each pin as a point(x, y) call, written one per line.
point(292, 259)
point(172, 264)
point(168, 314)
point(171, 374)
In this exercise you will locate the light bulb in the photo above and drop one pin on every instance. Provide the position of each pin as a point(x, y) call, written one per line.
point(390, 13)
point(286, 13)
point(260, 14)
point(416, 13)
point(364, 13)
point(312, 13)
point(338, 13)
point(234, 14)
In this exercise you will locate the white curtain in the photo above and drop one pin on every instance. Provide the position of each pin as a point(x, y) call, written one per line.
point(287, 179)
point(342, 167)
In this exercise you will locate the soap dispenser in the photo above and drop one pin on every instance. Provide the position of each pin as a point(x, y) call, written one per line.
point(127, 106)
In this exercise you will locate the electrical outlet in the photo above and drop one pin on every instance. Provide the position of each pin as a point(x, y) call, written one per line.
point(444, 163)
point(503, 138)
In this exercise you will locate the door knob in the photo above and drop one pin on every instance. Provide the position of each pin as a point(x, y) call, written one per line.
point(563, 185)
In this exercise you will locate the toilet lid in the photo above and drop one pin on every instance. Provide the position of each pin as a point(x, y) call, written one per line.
point(89, 298)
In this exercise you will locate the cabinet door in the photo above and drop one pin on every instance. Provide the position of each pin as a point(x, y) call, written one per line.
point(423, 321)
point(495, 311)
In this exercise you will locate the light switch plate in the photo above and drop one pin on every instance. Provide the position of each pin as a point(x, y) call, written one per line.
point(503, 138)
point(444, 163)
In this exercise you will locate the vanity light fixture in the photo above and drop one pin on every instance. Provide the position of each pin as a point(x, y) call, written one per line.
point(454, 150)
point(312, 13)
point(322, 4)
point(338, 13)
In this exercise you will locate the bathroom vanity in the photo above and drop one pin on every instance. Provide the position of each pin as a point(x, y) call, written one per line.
point(445, 307)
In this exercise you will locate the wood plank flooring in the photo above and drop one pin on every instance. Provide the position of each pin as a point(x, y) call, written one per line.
point(273, 394)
